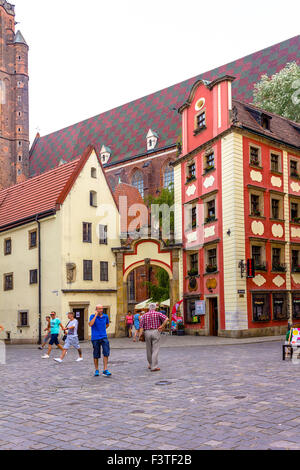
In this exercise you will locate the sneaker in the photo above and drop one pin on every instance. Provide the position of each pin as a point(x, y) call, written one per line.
point(79, 359)
point(40, 347)
point(97, 374)
point(106, 373)
point(58, 360)
point(45, 356)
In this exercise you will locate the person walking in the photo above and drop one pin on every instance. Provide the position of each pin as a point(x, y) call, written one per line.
point(136, 323)
point(48, 335)
point(72, 338)
point(55, 325)
point(129, 324)
point(99, 322)
point(152, 324)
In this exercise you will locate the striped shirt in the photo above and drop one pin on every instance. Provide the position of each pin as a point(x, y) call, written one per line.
point(152, 320)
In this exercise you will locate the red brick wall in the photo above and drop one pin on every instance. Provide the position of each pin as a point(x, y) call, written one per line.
point(14, 121)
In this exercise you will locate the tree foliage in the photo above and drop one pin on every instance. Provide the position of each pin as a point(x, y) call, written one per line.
point(161, 292)
point(280, 94)
point(166, 197)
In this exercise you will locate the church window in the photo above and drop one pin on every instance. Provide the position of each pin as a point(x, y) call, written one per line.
point(169, 177)
point(138, 182)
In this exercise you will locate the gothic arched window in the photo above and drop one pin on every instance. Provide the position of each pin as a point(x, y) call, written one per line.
point(169, 177)
point(138, 182)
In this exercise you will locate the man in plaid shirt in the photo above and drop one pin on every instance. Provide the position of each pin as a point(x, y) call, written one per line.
point(152, 324)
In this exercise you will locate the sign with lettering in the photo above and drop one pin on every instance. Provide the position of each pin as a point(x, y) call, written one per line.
point(200, 308)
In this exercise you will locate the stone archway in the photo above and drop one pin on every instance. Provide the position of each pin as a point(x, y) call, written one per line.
point(139, 253)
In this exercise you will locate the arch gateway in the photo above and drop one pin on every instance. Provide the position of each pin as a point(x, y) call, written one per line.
point(144, 252)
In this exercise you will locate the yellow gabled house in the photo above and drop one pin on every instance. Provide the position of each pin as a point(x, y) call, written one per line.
point(57, 231)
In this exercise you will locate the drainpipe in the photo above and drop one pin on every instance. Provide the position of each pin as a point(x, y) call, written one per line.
point(39, 278)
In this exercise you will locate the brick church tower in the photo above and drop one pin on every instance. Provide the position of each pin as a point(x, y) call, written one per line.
point(14, 109)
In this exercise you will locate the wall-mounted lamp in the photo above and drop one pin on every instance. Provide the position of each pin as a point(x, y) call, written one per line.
point(229, 232)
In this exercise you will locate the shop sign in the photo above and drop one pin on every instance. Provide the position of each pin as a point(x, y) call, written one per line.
point(200, 307)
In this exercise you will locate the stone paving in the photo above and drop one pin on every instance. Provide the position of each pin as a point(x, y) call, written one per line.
point(239, 396)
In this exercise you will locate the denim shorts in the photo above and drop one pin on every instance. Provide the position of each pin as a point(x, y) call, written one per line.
point(97, 343)
point(54, 340)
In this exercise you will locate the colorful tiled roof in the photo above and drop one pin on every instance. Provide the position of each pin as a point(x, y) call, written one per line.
point(124, 129)
point(34, 196)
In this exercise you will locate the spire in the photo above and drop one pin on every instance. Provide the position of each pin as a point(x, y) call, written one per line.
point(19, 38)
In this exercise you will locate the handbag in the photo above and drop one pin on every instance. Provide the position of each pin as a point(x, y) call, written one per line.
point(142, 338)
point(65, 336)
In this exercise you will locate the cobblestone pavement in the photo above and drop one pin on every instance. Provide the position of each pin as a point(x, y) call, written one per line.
point(218, 397)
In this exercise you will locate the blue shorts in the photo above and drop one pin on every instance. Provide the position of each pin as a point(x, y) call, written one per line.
point(97, 343)
point(54, 340)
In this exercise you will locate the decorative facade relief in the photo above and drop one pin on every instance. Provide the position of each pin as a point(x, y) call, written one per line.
point(256, 176)
point(209, 182)
point(209, 231)
point(191, 190)
point(277, 230)
point(259, 280)
point(257, 228)
point(295, 232)
point(296, 278)
point(295, 186)
point(278, 281)
point(275, 181)
point(192, 237)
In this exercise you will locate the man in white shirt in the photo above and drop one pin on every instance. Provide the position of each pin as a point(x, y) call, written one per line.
point(72, 338)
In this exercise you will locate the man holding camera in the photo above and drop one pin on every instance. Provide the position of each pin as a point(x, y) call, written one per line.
point(99, 322)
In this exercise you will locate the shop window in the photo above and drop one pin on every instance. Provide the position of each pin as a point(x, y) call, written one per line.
point(261, 307)
point(296, 306)
point(255, 156)
point(86, 232)
point(191, 310)
point(87, 270)
point(280, 307)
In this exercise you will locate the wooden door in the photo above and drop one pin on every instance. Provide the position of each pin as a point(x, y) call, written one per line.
point(213, 317)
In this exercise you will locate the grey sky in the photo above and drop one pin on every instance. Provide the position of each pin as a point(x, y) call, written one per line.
point(89, 56)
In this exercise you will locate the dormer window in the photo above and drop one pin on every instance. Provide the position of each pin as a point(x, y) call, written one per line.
point(105, 154)
point(265, 121)
point(152, 140)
